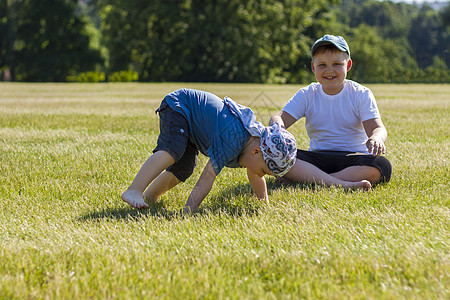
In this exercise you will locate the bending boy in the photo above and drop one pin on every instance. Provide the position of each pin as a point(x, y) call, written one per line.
point(226, 132)
point(347, 136)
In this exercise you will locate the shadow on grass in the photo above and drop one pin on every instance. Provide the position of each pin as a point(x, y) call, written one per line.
point(272, 185)
point(239, 199)
point(236, 201)
point(157, 210)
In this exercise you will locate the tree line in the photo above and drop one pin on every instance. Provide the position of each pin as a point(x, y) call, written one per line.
point(265, 41)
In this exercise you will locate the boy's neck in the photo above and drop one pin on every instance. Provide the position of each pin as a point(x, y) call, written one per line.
point(334, 92)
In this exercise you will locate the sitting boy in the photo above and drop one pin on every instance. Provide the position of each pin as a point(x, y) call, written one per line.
point(226, 132)
point(343, 123)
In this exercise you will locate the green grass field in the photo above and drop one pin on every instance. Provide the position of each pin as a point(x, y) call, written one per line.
point(69, 150)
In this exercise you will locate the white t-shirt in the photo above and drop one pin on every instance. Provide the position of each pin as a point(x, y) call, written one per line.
point(334, 122)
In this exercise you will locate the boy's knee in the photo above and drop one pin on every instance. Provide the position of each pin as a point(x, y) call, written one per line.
point(373, 175)
point(385, 168)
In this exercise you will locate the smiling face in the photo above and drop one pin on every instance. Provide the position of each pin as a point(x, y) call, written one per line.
point(330, 68)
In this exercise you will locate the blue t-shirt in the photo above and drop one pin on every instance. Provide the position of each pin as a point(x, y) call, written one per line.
point(213, 128)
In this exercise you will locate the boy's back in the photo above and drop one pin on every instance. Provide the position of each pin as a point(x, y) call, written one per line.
point(213, 128)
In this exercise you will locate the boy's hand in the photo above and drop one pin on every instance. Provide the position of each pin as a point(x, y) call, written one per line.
point(376, 146)
point(201, 188)
point(258, 185)
point(283, 118)
point(377, 134)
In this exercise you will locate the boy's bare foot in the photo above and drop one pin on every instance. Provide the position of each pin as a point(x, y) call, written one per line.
point(363, 184)
point(134, 198)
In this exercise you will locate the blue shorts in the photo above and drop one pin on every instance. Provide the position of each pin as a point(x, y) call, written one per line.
point(335, 161)
point(174, 138)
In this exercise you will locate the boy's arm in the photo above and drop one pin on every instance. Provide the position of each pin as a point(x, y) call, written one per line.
point(377, 134)
point(258, 185)
point(283, 118)
point(201, 188)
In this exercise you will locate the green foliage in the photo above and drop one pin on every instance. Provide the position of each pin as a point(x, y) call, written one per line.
point(219, 41)
point(123, 76)
point(90, 76)
point(445, 17)
point(48, 40)
point(395, 42)
point(376, 59)
point(254, 41)
point(269, 41)
point(428, 36)
point(4, 32)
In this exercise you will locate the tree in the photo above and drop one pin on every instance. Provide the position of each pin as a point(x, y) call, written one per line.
point(6, 39)
point(428, 36)
point(221, 40)
point(409, 38)
point(49, 40)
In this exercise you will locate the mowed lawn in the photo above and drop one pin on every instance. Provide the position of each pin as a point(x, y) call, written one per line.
point(69, 150)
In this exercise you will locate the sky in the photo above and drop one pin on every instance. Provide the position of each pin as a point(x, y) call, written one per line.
point(430, 2)
point(420, 1)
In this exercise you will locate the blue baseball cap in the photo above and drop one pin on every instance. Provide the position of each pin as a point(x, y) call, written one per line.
point(337, 41)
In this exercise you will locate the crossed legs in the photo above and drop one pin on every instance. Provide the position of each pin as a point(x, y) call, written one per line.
point(303, 171)
point(358, 173)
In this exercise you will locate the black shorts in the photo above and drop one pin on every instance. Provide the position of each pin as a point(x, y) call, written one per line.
point(174, 138)
point(335, 161)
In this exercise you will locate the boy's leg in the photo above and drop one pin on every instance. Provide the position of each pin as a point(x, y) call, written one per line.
point(164, 182)
point(171, 146)
point(358, 173)
point(349, 166)
point(303, 171)
point(152, 167)
point(174, 174)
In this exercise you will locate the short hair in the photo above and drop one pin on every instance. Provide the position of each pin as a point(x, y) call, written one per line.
point(329, 48)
